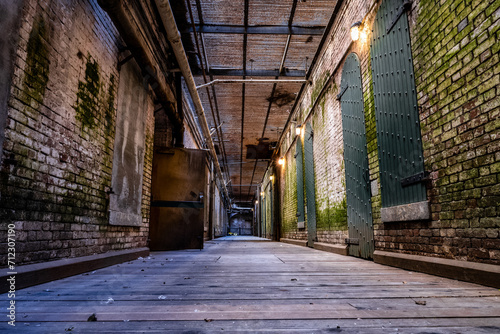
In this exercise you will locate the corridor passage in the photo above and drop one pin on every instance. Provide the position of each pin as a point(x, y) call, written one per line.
point(241, 285)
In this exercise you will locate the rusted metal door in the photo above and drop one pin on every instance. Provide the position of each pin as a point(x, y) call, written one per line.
point(310, 186)
point(359, 213)
point(177, 207)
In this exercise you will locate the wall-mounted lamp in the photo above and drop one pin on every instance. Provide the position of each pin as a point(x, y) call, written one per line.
point(262, 194)
point(355, 30)
point(298, 129)
point(271, 177)
point(281, 161)
point(257, 202)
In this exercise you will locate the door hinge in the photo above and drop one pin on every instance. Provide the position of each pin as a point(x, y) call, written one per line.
point(339, 95)
point(352, 241)
point(404, 7)
point(420, 177)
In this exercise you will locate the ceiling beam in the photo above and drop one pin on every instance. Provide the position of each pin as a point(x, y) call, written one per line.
point(255, 73)
point(254, 30)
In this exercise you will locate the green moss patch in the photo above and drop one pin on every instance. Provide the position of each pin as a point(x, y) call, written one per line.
point(37, 64)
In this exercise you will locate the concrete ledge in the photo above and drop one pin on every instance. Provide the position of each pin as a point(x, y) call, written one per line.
point(480, 273)
point(294, 242)
point(38, 273)
point(332, 248)
point(406, 212)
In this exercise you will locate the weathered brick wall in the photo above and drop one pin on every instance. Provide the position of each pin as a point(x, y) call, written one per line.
point(455, 46)
point(60, 134)
point(455, 53)
point(288, 198)
point(323, 111)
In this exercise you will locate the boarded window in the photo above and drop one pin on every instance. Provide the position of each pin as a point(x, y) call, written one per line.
point(128, 156)
point(396, 112)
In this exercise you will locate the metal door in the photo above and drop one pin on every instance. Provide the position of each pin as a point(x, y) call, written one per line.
point(300, 184)
point(398, 127)
point(359, 212)
point(310, 186)
point(177, 208)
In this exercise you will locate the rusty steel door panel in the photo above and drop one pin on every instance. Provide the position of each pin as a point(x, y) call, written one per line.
point(177, 206)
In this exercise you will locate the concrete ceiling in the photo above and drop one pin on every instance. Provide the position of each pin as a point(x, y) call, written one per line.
point(243, 39)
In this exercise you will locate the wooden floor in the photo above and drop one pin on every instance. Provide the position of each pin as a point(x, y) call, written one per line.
point(250, 286)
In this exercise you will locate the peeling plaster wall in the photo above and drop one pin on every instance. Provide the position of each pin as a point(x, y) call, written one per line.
point(128, 158)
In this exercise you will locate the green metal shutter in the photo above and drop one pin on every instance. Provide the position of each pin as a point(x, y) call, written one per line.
point(310, 186)
point(396, 112)
point(263, 216)
point(300, 181)
point(271, 212)
point(357, 180)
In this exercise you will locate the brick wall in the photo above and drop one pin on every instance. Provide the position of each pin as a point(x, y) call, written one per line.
point(455, 47)
point(288, 198)
point(320, 107)
point(455, 54)
point(456, 61)
point(60, 134)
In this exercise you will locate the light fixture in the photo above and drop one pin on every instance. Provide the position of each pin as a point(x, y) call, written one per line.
point(355, 29)
point(271, 177)
point(298, 129)
point(257, 202)
point(281, 161)
point(262, 194)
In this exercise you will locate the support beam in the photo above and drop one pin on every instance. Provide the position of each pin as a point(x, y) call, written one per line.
point(256, 30)
point(259, 81)
point(255, 73)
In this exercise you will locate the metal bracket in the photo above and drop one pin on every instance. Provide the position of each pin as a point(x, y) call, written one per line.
point(11, 160)
point(404, 7)
point(124, 61)
point(420, 177)
point(339, 95)
point(178, 204)
point(352, 241)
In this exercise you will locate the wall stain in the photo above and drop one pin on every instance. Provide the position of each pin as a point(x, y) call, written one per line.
point(87, 102)
point(37, 64)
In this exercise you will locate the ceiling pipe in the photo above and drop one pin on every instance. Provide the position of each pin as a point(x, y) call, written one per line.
point(220, 81)
point(140, 51)
point(174, 37)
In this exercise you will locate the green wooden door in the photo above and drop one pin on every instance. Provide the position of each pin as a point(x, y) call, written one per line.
point(359, 210)
point(300, 184)
point(398, 128)
point(310, 186)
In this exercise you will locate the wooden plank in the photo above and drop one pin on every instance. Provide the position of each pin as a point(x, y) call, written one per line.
point(160, 315)
point(443, 325)
point(256, 286)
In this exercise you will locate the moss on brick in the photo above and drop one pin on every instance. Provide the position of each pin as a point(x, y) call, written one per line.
point(318, 86)
point(87, 102)
point(333, 217)
point(37, 64)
